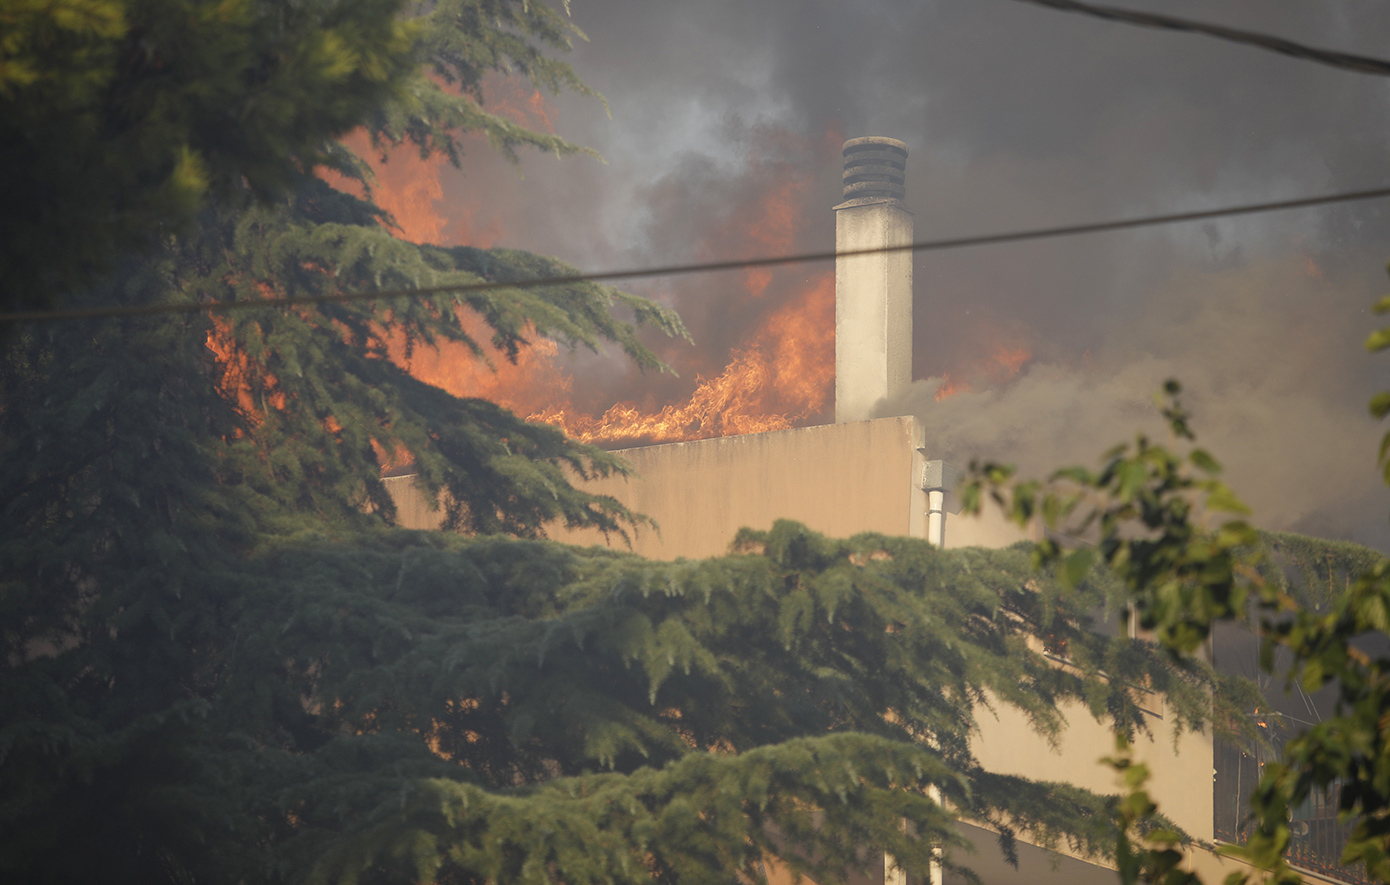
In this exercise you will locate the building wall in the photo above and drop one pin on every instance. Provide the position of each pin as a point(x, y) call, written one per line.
point(1181, 770)
point(838, 479)
point(990, 529)
point(413, 510)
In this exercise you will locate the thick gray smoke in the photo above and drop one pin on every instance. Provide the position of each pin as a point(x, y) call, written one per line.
point(1263, 385)
point(1015, 116)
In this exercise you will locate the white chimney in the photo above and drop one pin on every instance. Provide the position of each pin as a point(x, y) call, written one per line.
point(873, 293)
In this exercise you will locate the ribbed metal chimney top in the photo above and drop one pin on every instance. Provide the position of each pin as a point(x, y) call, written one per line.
point(875, 168)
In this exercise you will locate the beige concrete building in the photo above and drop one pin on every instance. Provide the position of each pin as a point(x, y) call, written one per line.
point(868, 476)
point(877, 476)
point(838, 479)
point(880, 475)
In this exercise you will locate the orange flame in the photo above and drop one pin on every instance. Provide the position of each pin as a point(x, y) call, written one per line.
point(239, 375)
point(784, 372)
point(411, 189)
point(508, 98)
point(234, 382)
point(1004, 362)
point(780, 375)
point(771, 230)
point(531, 384)
point(950, 387)
point(783, 376)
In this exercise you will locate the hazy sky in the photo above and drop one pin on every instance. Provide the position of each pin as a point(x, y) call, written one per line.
point(1014, 116)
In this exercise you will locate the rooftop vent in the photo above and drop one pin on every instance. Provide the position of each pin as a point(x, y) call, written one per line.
point(875, 168)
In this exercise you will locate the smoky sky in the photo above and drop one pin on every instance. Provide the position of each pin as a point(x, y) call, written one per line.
point(1015, 116)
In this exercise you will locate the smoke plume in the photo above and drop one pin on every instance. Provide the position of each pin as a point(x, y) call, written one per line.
point(1262, 387)
point(723, 141)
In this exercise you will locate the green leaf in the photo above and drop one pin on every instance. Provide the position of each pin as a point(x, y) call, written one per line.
point(1204, 461)
point(1223, 500)
point(1378, 340)
point(1076, 566)
point(1380, 404)
point(1132, 476)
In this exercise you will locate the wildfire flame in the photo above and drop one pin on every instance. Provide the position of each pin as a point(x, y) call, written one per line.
point(1002, 363)
point(950, 386)
point(533, 384)
point(1008, 361)
point(781, 374)
point(240, 376)
point(411, 189)
point(776, 377)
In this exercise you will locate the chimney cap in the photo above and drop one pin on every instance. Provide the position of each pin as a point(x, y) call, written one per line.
point(875, 141)
point(875, 168)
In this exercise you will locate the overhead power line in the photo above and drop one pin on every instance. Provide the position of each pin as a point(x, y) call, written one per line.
point(1347, 61)
point(670, 270)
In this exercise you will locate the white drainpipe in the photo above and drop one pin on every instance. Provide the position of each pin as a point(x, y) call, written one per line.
point(939, 482)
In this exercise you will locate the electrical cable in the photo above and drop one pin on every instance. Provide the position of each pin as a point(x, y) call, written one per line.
point(681, 269)
point(1346, 61)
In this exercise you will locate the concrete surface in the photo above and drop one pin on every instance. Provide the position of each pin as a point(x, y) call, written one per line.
point(873, 306)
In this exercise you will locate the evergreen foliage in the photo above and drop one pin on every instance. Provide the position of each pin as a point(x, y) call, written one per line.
point(120, 119)
point(220, 664)
point(1314, 572)
point(401, 705)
